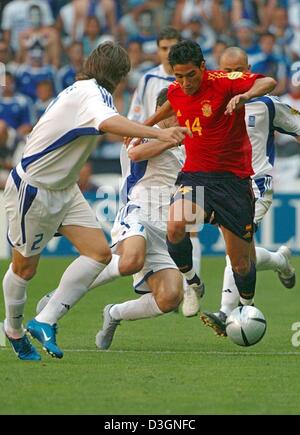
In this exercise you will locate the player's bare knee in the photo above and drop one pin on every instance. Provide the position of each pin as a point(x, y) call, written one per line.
point(131, 264)
point(102, 257)
point(25, 271)
point(169, 300)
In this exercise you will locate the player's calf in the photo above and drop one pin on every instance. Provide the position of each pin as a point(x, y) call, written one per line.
point(246, 285)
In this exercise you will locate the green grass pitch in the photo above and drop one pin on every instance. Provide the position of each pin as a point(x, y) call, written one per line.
point(168, 365)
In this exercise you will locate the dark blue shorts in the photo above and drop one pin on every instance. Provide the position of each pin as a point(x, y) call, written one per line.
point(228, 200)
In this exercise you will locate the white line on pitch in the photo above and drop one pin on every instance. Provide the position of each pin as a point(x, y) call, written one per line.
point(174, 352)
point(178, 352)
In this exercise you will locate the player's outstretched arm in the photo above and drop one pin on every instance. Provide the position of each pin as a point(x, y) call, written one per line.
point(124, 127)
point(145, 151)
point(259, 88)
point(163, 112)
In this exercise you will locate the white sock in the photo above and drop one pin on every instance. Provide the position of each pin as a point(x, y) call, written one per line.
point(110, 273)
point(14, 290)
point(196, 254)
point(230, 293)
point(141, 308)
point(73, 285)
point(246, 301)
point(190, 274)
point(267, 260)
point(186, 287)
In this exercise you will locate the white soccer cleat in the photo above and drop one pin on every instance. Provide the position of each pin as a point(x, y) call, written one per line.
point(105, 336)
point(286, 274)
point(191, 303)
point(191, 299)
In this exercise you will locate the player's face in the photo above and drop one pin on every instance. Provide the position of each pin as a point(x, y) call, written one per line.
point(164, 47)
point(189, 76)
point(234, 64)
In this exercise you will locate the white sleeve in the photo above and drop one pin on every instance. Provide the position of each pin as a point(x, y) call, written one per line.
point(286, 119)
point(47, 14)
point(96, 108)
point(136, 111)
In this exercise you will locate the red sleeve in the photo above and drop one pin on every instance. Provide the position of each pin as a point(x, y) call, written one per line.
point(241, 82)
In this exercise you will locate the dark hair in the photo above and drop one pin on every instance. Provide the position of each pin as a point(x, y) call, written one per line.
point(169, 33)
point(109, 63)
point(162, 97)
point(186, 52)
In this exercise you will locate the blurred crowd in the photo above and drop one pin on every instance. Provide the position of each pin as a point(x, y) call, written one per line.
point(43, 44)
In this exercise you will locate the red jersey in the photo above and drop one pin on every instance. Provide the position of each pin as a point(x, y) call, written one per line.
point(220, 142)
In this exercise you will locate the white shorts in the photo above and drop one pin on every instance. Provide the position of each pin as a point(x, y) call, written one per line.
point(127, 224)
point(35, 214)
point(263, 191)
point(157, 255)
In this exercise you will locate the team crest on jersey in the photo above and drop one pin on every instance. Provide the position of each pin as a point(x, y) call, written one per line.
point(206, 109)
point(235, 75)
point(294, 111)
point(251, 121)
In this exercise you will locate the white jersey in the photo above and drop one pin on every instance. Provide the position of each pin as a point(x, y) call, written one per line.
point(149, 184)
point(263, 116)
point(144, 98)
point(65, 136)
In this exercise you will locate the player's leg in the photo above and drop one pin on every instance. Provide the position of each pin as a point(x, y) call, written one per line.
point(153, 304)
point(196, 252)
point(15, 281)
point(80, 227)
point(73, 285)
point(28, 233)
point(278, 261)
point(185, 212)
point(243, 266)
point(128, 257)
point(191, 297)
point(165, 296)
point(229, 300)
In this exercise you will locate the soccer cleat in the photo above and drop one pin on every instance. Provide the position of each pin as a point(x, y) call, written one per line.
point(43, 302)
point(191, 297)
point(24, 349)
point(46, 335)
point(105, 336)
point(191, 303)
point(286, 274)
point(216, 321)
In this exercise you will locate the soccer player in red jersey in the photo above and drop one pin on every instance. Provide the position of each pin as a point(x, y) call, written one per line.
point(218, 157)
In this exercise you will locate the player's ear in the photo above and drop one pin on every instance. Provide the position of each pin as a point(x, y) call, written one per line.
point(202, 65)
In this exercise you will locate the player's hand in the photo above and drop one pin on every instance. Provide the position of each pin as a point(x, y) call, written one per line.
point(235, 103)
point(134, 141)
point(174, 135)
